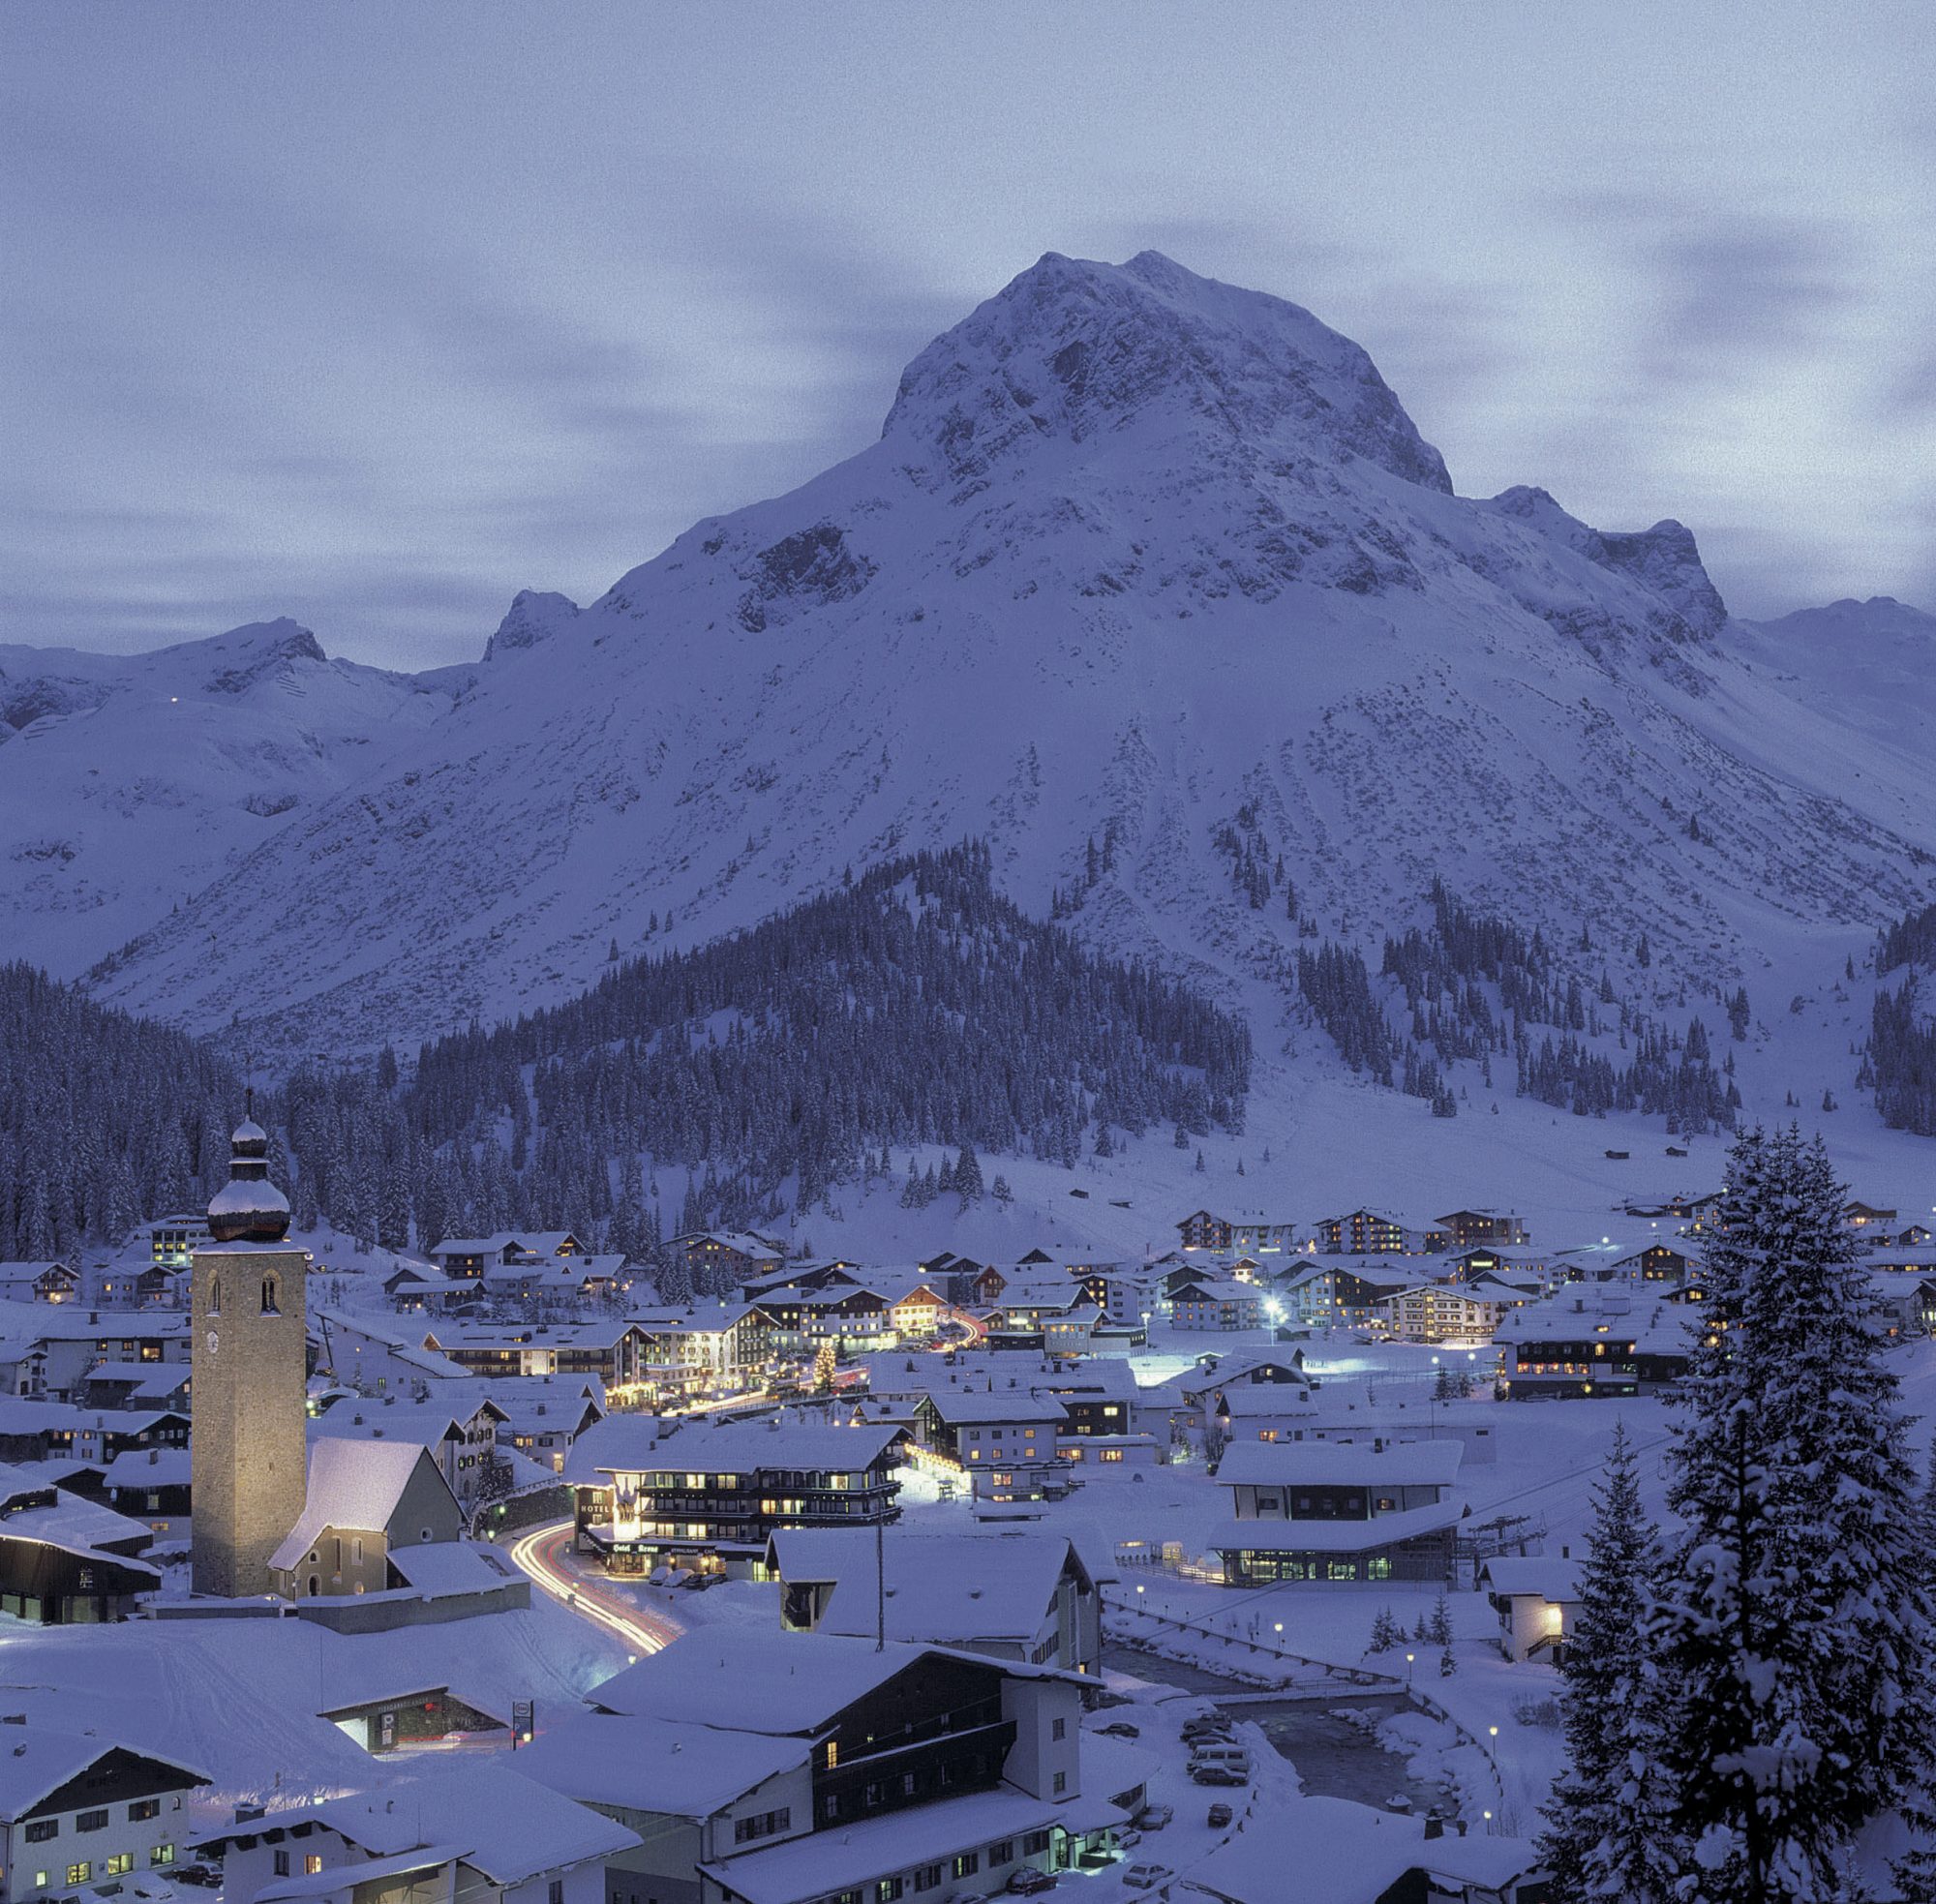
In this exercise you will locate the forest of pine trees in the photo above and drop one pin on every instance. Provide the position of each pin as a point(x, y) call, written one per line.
point(913, 1007)
point(1901, 1059)
point(105, 1119)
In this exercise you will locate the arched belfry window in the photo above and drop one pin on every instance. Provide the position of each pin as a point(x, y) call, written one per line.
point(269, 1296)
point(215, 1296)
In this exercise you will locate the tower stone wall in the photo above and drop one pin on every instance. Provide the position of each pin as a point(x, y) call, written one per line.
point(248, 1305)
point(250, 1404)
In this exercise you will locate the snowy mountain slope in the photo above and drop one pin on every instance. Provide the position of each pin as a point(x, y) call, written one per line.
point(130, 783)
point(1134, 552)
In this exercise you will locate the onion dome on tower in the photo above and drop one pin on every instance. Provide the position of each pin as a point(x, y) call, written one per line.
point(249, 1208)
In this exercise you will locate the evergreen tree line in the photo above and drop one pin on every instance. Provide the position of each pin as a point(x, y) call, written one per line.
point(1901, 1059)
point(105, 1118)
point(1900, 1062)
point(1910, 941)
point(1473, 984)
point(1745, 1693)
point(913, 1007)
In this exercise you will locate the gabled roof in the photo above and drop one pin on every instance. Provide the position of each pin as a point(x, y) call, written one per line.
point(645, 1764)
point(1000, 1405)
point(634, 1444)
point(759, 1679)
point(945, 1589)
point(1552, 1579)
point(352, 1484)
point(35, 1763)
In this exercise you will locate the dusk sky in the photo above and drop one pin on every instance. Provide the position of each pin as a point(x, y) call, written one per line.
point(373, 316)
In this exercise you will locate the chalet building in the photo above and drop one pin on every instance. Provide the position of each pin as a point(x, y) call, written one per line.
point(68, 1341)
point(78, 1811)
point(1234, 1236)
point(1537, 1599)
point(1022, 1595)
point(1129, 1296)
point(39, 1282)
point(715, 1256)
point(1307, 1511)
point(1908, 1306)
point(707, 1496)
point(174, 1240)
point(1006, 1428)
point(968, 1283)
point(467, 1258)
point(153, 1489)
point(1599, 1339)
point(131, 1284)
point(481, 1832)
point(144, 1387)
point(1866, 1217)
point(1917, 1236)
point(909, 1771)
point(723, 1348)
point(539, 1417)
point(1056, 1314)
point(68, 1561)
point(1437, 1313)
point(366, 1502)
point(56, 1431)
point(614, 1351)
point(1367, 1233)
point(1182, 1408)
point(459, 1436)
point(1889, 1259)
point(1483, 1259)
point(1655, 1262)
point(1098, 1394)
point(1330, 1294)
point(845, 1315)
point(1215, 1305)
point(1466, 1228)
point(542, 1277)
point(1696, 1212)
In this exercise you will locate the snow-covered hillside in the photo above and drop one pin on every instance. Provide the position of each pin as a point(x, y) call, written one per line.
point(1138, 559)
point(130, 783)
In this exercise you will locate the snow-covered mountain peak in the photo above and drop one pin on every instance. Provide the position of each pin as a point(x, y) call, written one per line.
point(1663, 559)
point(1072, 349)
point(535, 615)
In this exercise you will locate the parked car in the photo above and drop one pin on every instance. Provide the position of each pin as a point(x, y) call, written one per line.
point(1028, 1880)
point(1153, 1818)
point(1218, 1775)
point(1128, 1840)
point(1221, 1814)
point(1147, 1877)
point(1203, 1727)
point(1120, 1729)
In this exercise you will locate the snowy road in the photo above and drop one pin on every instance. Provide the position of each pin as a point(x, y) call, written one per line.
point(545, 1555)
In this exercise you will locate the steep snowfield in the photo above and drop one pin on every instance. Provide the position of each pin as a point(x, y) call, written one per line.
point(1134, 550)
point(128, 784)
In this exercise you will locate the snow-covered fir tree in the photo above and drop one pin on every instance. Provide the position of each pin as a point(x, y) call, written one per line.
point(1794, 1633)
point(1603, 1838)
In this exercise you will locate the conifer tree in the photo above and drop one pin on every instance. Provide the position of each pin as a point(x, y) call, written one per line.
point(1796, 1620)
point(1604, 1834)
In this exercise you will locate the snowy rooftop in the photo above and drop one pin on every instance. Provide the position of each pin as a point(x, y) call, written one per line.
point(351, 1484)
point(997, 1406)
point(1332, 1536)
point(655, 1764)
point(924, 1835)
point(1547, 1575)
point(947, 1589)
point(37, 1762)
point(1328, 1465)
point(758, 1678)
point(1342, 1851)
point(439, 1567)
point(630, 1444)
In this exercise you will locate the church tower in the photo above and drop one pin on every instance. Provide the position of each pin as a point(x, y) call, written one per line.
point(249, 1366)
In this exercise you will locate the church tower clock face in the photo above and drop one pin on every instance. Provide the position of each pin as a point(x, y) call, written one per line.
point(214, 1342)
